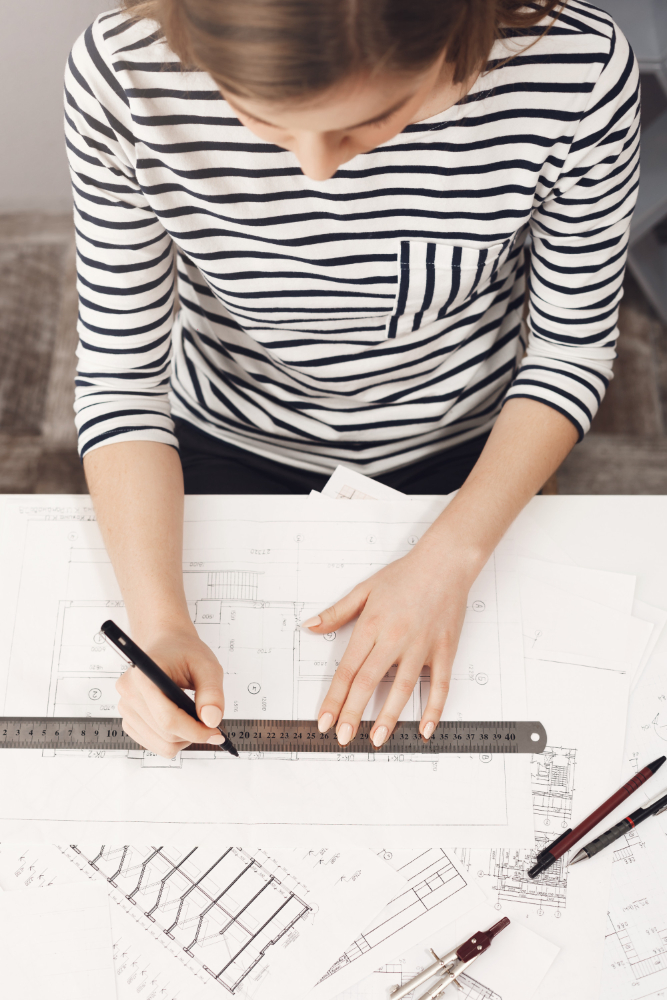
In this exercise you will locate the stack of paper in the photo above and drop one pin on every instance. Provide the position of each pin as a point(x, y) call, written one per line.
point(586, 644)
point(543, 638)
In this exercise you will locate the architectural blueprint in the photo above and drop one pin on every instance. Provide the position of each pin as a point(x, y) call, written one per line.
point(253, 570)
point(215, 924)
point(493, 977)
point(635, 960)
point(581, 765)
point(435, 892)
point(636, 940)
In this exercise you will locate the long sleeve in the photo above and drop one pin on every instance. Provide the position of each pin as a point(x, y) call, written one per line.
point(125, 263)
point(579, 247)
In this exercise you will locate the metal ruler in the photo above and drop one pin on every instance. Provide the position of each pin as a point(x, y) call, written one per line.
point(268, 736)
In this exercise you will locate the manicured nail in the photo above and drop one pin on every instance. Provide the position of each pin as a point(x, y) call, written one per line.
point(324, 723)
point(428, 730)
point(216, 739)
point(312, 622)
point(344, 734)
point(379, 736)
point(211, 716)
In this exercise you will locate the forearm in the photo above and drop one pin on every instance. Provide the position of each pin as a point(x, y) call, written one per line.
point(137, 490)
point(528, 443)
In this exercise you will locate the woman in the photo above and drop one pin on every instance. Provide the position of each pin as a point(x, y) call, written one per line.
point(347, 186)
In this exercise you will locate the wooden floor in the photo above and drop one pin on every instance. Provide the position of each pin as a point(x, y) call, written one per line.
point(626, 452)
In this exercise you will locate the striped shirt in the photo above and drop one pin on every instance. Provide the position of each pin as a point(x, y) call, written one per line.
point(374, 318)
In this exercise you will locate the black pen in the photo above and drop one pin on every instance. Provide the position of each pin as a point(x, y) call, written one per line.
point(136, 656)
point(609, 836)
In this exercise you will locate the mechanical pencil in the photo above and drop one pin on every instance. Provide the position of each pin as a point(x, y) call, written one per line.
point(628, 823)
point(136, 656)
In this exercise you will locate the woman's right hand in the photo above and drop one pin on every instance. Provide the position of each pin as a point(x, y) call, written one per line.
point(149, 717)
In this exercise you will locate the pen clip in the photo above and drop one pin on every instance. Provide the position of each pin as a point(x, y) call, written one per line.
point(649, 805)
point(117, 649)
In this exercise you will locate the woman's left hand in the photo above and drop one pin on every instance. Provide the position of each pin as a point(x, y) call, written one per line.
point(410, 615)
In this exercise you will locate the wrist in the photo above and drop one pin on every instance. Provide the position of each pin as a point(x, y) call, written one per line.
point(148, 624)
point(447, 542)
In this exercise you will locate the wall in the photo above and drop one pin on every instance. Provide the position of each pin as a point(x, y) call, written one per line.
point(37, 36)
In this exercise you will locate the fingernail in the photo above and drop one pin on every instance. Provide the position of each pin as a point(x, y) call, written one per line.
point(216, 739)
point(379, 736)
point(312, 622)
point(324, 723)
point(428, 730)
point(344, 734)
point(211, 716)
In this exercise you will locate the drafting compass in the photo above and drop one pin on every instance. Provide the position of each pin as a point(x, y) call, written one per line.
point(451, 965)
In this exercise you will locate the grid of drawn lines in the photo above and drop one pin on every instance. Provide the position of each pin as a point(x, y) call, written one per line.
point(225, 910)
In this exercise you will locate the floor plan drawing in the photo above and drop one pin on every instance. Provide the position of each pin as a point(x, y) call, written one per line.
point(226, 912)
point(252, 572)
point(205, 923)
point(247, 599)
point(552, 777)
point(636, 933)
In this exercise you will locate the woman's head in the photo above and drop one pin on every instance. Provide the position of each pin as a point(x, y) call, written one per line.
point(354, 71)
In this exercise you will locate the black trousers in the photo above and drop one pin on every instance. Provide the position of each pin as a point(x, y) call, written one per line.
point(212, 466)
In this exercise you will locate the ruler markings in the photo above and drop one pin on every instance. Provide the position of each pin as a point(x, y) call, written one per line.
point(282, 736)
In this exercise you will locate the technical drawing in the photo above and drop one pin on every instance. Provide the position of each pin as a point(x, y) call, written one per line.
point(636, 941)
point(552, 778)
point(660, 730)
point(431, 880)
point(225, 911)
point(397, 974)
point(470, 989)
point(252, 573)
point(245, 583)
point(271, 665)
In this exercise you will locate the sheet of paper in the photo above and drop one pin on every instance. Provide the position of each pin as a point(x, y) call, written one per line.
point(533, 540)
point(57, 943)
point(436, 893)
point(658, 619)
point(494, 976)
point(254, 568)
point(564, 628)
point(584, 711)
point(205, 923)
point(613, 590)
point(635, 960)
point(346, 484)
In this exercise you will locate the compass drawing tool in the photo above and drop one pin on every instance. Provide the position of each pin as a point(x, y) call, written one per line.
point(624, 826)
point(546, 858)
point(136, 656)
point(451, 965)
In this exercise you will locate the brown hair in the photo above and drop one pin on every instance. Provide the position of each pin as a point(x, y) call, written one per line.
point(285, 49)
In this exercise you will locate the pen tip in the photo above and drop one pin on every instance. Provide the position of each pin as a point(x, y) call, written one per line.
point(657, 763)
point(579, 856)
point(233, 751)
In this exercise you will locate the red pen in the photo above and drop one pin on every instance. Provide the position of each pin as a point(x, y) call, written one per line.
point(562, 845)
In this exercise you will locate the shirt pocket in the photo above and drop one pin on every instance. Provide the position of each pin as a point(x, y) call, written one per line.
point(434, 279)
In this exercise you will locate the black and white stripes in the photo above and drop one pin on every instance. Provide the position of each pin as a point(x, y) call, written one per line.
point(370, 319)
